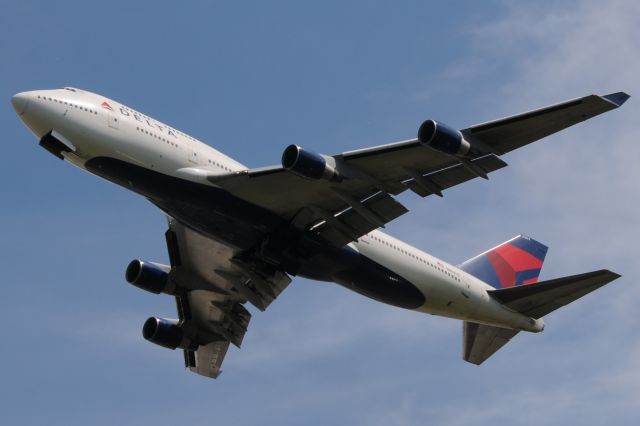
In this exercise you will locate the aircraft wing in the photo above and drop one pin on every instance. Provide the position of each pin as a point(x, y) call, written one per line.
point(342, 210)
point(513, 132)
point(216, 282)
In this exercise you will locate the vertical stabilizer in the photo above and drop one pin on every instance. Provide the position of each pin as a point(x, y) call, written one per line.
point(515, 262)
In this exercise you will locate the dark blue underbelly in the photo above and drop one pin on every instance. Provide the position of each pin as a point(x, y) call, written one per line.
point(357, 272)
point(207, 209)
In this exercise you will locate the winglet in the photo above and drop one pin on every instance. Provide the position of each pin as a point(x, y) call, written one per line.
point(617, 98)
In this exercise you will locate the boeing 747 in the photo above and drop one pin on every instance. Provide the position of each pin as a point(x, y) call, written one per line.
point(237, 235)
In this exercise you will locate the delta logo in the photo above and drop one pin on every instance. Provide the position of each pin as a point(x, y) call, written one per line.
point(105, 105)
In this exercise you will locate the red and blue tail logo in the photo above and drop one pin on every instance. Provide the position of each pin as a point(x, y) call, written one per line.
point(516, 262)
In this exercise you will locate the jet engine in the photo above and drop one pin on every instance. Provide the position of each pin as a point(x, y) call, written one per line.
point(443, 138)
point(164, 332)
point(308, 164)
point(152, 277)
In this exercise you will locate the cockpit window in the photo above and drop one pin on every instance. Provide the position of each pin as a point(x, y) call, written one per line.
point(70, 88)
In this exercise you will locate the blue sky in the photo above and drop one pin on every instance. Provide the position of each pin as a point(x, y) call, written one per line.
point(249, 78)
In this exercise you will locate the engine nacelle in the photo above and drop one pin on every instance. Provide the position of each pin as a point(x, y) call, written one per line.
point(308, 164)
point(443, 138)
point(152, 277)
point(164, 332)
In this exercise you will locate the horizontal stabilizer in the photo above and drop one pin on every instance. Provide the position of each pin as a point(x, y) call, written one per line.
point(481, 341)
point(534, 300)
point(540, 299)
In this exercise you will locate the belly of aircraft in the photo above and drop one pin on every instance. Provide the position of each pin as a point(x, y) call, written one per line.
point(358, 273)
point(207, 209)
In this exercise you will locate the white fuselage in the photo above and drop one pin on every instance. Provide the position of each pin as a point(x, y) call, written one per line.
point(92, 126)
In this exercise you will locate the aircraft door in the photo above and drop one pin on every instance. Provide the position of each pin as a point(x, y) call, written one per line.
point(112, 120)
point(192, 155)
point(465, 288)
point(466, 299)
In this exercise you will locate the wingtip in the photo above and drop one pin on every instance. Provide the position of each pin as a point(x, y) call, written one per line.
point(614, 275)
point(617, 98)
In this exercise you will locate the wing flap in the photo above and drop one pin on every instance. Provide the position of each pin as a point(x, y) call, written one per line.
point(389, 163)
point(200, 263)
point(213, 314)
point(350, 224)
point(452, 176)
point(207, 359)
point(481, 341)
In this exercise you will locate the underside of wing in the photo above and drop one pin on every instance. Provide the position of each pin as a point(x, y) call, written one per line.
point(212, 281)
point(350, 224)
point(344, 210)
point(201, 263)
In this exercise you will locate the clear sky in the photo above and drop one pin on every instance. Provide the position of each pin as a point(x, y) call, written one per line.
point(249, 78)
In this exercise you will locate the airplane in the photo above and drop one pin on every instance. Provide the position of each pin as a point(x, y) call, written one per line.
point(238, 235)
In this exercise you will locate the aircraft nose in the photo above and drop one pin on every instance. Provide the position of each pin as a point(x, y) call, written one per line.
point(20, 102)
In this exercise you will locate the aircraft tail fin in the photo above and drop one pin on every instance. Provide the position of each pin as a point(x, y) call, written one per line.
point(512, 263)
point(536, 300)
